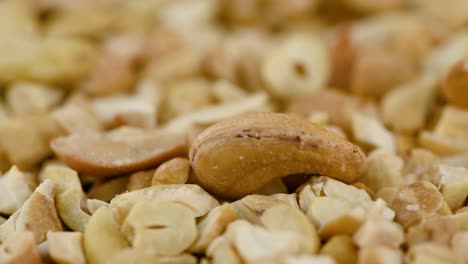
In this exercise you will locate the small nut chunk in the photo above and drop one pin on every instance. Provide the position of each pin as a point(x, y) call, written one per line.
point(370, 132)
point(174, 171)
point(384, 170)
point(66, 247)
point(77, 116)
point(40, 205)
point(167, 228)
point(416, 201)
point(298, 66)
point(254, 242)
point(139, 180)
point(287, 218)
point(454, 186)
point(437, 229)
point(69, 196)
point(106, 190)
point(459, 242)
point(191, 195)
point(212, 225)
point(221, 251)
point(15, 188)
point(120, 151)
point(341, 248)
point(379, 255)
point(264, 146)
point(93, 205)
point(142, 256)
point(28, 98)
point(455, 83)
point(20, 248)
point(431, 253)
point(290, 259)
point(102, 238)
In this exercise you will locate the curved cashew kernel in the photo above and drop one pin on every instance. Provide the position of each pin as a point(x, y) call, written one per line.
point(166, 228)
point(40, 205)
point(190, 195)
point(66, 247)
point(20, 248)
point(120, 151)
point(287, 218)
point(69, 196)
point(15, 189)
point(237, 156)
point(102, 238)
point(213, 225)
point(174, 171)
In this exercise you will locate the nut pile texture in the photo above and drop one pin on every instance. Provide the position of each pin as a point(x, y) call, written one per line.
point(234, 131)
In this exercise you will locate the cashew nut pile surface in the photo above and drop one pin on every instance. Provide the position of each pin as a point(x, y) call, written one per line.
point(234, 131)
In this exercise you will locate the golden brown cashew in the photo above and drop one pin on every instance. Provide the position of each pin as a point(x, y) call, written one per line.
point(237, 156)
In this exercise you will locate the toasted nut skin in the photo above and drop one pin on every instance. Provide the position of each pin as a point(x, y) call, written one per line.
point(237, 156)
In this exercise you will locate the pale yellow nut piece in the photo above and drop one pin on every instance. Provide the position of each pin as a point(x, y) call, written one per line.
point(273, 187)
point(335, 188)
point(431, 253)
point(287, 218)
point(459, 242)
point(319, 118)
point(66, 247)
point(26, 147)
point(15, 188)
point(441, 145)
point(28, 98)
point(370, 132)
point(341, 248)
point(102, 238)
point(378, 231)
point(461, 218)
point(38, 215)
point(369, 6)
point(142, 256)
point(212, 114)
point(406, 107)
point(416, 201)
point(20, 248)
point(139, 180)
point(106, 190)
point(69, 196)
point(237, 156)
point(455, 82)
point(167, 228)
point(296, 67)
point(226, 91)
point(388, 194)
point(384, 169)
point(304, 259)
point(119, 151)
point(421, 164)
point(438, 229)
point(174, 171)
point(131, 110)
point(77, 116)
point(379, 255)
point(221, 251)
point(94, 204)
point(254, 242)
point(191, 195)
point(251, 206)
point(305, 196)
point(17, 18)
point(460, 160)
point(454, 186)
point(212, 225)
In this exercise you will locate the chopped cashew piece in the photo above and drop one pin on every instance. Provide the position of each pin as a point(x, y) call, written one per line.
point(304, 259)
point(250, 207)
point(120, 151)
point(174, 171)
point(254, 242)
point(379, 255)
point(226, 91)
point(212, 225)
point(28, 98)
point(416, 201)
point(77, 116)
point(102, 238)
point(273, 187)
point(341, 248)
point(286, 218)
point(437, 229)
point(142, 256)
point(20, 248)
point(455, 83)
point(166, 228)
point(190, 195)
point(15, 188)
point(93, 205)
point(459, 242)
point(383, 170)
point(454, 186)
point(431, 253)
point(139, 180)
point(37, 214)
point(369, 131)
point(221, 251)
point(69, 196)
point(66, 247)
point(106, 190)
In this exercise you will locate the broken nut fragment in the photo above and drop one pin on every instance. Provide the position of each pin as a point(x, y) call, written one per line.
point(66, 247)
point(166, 228)
point(237, 156)
point(20, 248)
point(174, 171)
point(120, 151)
point(15, 188)
point(455, 83)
